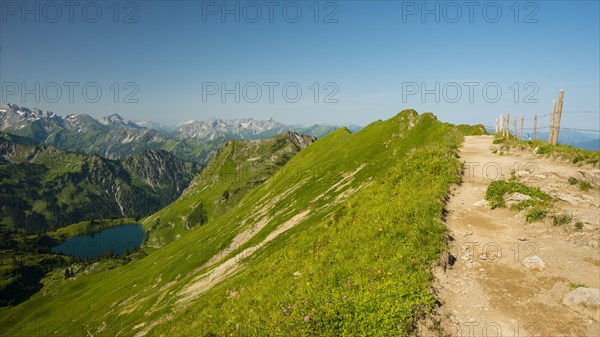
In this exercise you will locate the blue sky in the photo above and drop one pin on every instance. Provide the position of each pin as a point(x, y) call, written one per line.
point(371, 59)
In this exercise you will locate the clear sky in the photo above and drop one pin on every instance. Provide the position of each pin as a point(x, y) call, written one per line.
point(171, 60)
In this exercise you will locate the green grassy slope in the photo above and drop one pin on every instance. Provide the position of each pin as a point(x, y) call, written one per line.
point(367, 209)
point(235, 169)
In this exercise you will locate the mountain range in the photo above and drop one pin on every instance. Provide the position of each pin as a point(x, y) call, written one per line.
point(115, 137)
point(44, 187)
point(591, 145)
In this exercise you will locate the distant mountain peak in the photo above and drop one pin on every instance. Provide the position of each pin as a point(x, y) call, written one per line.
point(115, 117)
point(245, 128)
point(118, 121)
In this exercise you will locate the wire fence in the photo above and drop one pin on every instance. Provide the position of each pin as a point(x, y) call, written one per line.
point(521, 119)
point(565, 112)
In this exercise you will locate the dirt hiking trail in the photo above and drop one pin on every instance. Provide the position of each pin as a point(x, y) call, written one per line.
point(504, 276)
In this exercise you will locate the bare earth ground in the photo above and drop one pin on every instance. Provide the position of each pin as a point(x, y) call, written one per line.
point(510, 276)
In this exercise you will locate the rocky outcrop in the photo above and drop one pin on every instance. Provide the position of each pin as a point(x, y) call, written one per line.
point(585, 301)
point(301, 141)
point(162, 170)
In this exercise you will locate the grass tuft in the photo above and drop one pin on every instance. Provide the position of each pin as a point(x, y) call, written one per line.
point(584, 186)
point(575, 285)
point(535, 214)
point(497, 190)
point(561, 219)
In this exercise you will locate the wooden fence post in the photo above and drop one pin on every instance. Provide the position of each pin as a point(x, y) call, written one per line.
point(535, 127)
point(551, 132)
point(515, 127)
point(507, 125)
point(521, 132)
point(561, 96)
point(496, 125)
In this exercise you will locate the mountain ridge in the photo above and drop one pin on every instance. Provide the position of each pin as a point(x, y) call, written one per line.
point(44, 187)
point(235, 170)
point(115, 137)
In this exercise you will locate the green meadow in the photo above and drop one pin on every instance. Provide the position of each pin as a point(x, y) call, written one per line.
point(363, 213)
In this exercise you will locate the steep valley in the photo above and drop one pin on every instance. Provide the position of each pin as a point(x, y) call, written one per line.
point(45, 188)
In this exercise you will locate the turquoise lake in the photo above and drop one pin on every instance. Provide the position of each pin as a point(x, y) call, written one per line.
point(116, 239)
